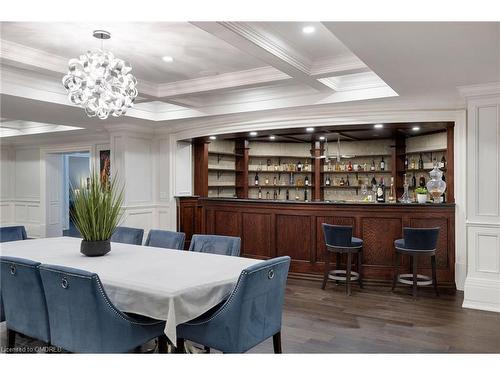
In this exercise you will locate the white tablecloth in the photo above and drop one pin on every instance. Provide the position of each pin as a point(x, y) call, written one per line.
point(171, 285)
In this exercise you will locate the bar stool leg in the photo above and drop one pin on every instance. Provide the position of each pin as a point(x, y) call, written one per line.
point(434, 278)
point(360, 261)
point(396, 270)
point(337, 264)
point(328, 255)
point(348, 273)
point(414, 266)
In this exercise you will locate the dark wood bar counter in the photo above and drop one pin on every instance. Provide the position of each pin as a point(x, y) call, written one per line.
point(273, 228)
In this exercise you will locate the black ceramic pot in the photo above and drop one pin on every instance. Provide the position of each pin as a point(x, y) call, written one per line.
point(95, 248)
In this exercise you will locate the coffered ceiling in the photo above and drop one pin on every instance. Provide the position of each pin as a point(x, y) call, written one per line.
point(231, 68)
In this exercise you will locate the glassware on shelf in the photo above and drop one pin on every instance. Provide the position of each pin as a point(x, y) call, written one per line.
point(436, 186)
point(405, 198)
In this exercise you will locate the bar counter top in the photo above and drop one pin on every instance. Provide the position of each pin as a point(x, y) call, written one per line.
point(334, 202)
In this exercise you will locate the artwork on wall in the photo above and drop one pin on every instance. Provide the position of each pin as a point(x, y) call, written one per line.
point(104, 166)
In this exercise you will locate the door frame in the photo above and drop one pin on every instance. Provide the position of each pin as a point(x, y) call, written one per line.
point(44, 151)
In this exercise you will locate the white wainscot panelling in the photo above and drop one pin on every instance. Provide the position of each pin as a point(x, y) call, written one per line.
point(484, 251)
point(164, 219)
point(20, 212)
point(143, 218)
point(6, 213)
point(27, 213)
point(139, 178)
point(487, 159)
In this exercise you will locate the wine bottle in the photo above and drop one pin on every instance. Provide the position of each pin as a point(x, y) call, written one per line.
point(275, 195)
point(256, 180)
point(381, 191)
point(374, 182)
point(328, 181)
point(342, 182)
point(260, 193)
point(299, 166)
point(406, 162)
point(347, 181)
point(267, 195)
point(413, 164)
point(287, 195)
point(349, 166)
point(305, 196)
point(421, 181)
point(392, 192)
point(443, 162)
point(291, 179)
point(414, 181)
point(306, 181)
point(275, 181)
point(306, 166)
point(266, 181)
point(420, 162)
point(382, 164)
point(372, 167)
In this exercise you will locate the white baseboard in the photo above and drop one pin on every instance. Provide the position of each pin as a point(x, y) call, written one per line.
point(482, 294)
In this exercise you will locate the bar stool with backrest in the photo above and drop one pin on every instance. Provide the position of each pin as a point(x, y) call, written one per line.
point(416, 242)
point(339, 240)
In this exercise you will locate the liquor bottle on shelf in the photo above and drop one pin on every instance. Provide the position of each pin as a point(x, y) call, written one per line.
point(342, 182)
point(292, 182)
point(413, 163)
point(275, 167)
point(275, 195)
point(421, 181)
point(328, 182)
point(392, 191)
point(381, 191)
point(342, 167)
point(297, 198)
point(305, 196)
point(337, 166)
point(275, 181)
point(268, 164)
point(256, 180)
point(420, 162)
point(382, 164)
point(266, 181)
point(365, 167)
point(267, 195)
point(414, 181)
point(372, 167)
point(373, 182)
point(306, 181)
point(443, 163)
point(287, 196)
point(406, 162)
point(349, 166)
point(259, 195)
point(347, 181)
point(307, 167)
point(299, 166)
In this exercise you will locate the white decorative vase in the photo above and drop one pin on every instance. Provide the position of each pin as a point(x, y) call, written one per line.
point(422, 198)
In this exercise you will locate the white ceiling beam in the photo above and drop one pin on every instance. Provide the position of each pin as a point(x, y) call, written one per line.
point(249, 40)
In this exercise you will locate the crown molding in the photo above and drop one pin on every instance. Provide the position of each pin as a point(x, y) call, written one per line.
point(483, 89)
point(341, 65)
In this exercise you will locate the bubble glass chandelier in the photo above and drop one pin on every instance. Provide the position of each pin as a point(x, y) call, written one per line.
point(100, 83)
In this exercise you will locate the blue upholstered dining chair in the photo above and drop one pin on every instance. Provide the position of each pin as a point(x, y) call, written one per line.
point(132, 236)
point(210, 243)
point(7, 234)
point(250, 315)
point(24, 299)
point(84, 320)
point(166, 239)
point(13, 233)
point(416, 242)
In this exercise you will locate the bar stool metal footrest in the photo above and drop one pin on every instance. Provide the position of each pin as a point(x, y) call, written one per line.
point(333, 275)
point(407, 278)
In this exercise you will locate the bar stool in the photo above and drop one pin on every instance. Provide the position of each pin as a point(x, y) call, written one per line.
point(416, 242)
point(339, 240)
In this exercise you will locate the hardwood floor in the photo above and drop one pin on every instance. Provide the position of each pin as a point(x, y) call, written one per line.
point(374, 320)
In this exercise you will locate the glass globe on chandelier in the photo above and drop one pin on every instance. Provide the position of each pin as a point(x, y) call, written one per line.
point(100, 83)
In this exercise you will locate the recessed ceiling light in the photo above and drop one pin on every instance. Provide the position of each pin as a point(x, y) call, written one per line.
point(213, 137)
point(253, 134)
point(309, 130)
point(378, 126)
point(416, 128)
point(167, 59)
point(272, 137)
point(322, 138)
point(308, 29)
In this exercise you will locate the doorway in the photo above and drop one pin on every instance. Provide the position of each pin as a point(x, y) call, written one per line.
point(65, 172)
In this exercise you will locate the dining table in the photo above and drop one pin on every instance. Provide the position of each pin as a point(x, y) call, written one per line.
point(174, 286)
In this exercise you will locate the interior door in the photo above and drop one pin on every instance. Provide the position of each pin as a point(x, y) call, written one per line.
point(54, 179)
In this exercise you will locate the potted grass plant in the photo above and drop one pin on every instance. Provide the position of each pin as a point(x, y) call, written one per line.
point(421, 194)
point(96, 213)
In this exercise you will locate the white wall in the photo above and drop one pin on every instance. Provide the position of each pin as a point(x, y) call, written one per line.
point(482, 286)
